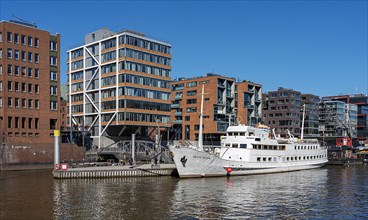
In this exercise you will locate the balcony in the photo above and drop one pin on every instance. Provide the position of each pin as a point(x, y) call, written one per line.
point(174, 106)
point(178, 113)
point(221, 102)
point(177, 122)
point(178, 97)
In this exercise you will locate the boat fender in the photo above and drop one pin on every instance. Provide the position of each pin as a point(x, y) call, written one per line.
point(228, 169)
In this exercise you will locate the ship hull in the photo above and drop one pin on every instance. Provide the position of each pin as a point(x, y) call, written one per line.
point(193, 163)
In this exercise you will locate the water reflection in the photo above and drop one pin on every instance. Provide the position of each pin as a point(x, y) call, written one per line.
point(120, 198)
point(327, 193)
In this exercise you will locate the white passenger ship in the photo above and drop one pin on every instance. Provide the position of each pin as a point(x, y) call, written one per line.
point(247, 150)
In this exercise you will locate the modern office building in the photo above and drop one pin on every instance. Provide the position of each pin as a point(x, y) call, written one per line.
point(361, 100)
point(248, 103)
point(337, 122)
point(311, 115)
point(29, 83)
point(119, 85)
point(282, 111)
point(218, 107)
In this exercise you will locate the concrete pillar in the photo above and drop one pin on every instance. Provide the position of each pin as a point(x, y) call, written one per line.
point(56, 147)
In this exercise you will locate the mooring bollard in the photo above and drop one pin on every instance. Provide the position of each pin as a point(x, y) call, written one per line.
point(56, 149)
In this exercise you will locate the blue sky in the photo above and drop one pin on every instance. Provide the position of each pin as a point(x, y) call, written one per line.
point(317, 47)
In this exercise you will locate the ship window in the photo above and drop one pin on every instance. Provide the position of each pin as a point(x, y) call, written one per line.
point(300, 158)
point(287, 158)
point(275, 147)
point(270, 159)
point(265, 147)
point(282, 147)
point(295, 147)
point(227, 145)
point(274, 159)
point(296, 158)
point(258, 159)
point(283, 158)
point(242, 134)
point(243, 145)
point(264, 159)
point(304, 158)
point(291, 158)
point(235, 145)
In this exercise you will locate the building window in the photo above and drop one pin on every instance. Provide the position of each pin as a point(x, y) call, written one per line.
point(37, 73)
point(23, 39)
point(10, 102)
point(37, 104)
point(30, 72)
point(187, 118)
point(23, 54)
point(10, 53)
point(1, 70)
point(1, 86)
point(53, 105)
point(1, 37)
point(24, 103)
point(1, 53)
point(36, 124)
point(10, 69)
point(53, 90)
point(23, 71)
point(30, 57)
point(9, 37)
point(30, 123)
point(37, 58)
point(10, 86)
point(53, 61)
point(37, 42)
point(30, 41)
point(191, 92)
point(53, 123)
point(16, 38)
point(16, 54)
point(30, 101)
point(16, 86)
point(53, 46)
point(24, 87)
point(53, 76)
point(16, 102)
point(37, 89)
point(30, 88)
point(191, 84)
point(1, 102)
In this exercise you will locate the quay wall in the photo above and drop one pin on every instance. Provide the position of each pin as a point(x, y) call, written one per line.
point(17, 156)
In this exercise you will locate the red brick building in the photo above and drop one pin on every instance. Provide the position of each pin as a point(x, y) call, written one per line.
point(29, 92)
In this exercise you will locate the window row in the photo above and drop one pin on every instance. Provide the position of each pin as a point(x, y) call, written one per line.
point(144, 93)
point(21, 70)
point(295, 158)
point(144, 56)
point(23, 122)
point(144, 117)
point(24, 134)
point(144, 81)
point(18, 86)
point(144, 68)
point(144, 44)
point(23, 103)
point(23, 39)
point(21, 55)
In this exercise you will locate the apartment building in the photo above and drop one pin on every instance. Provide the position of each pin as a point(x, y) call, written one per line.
point(282, 111)
point(118, 84)
point(226, 102)
point(248, 103)
point(29, 83)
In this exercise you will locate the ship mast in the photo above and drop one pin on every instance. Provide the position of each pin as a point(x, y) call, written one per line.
point(302, 133)
point(200, 136)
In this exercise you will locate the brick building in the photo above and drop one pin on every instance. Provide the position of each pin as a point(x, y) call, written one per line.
point(29, 92)
point(225, 102)
point(30, 83)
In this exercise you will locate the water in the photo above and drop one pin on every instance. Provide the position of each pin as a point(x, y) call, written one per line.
point(334, 192)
